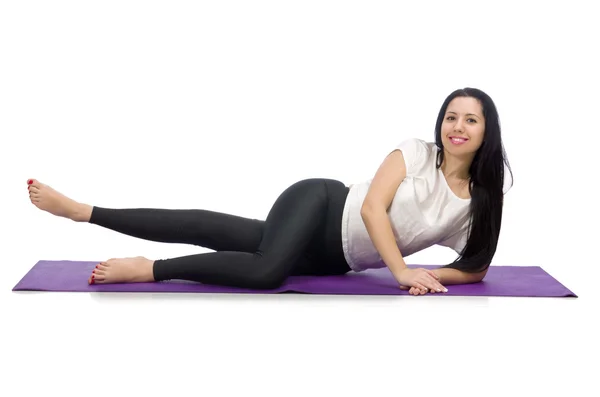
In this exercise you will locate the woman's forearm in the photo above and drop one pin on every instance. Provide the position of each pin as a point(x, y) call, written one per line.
point(450, 276)
point(379, 228)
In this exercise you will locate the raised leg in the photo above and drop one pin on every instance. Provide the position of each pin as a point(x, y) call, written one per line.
point(209, 229)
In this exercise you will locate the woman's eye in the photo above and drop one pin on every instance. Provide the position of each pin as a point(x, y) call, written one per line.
point(451, 117)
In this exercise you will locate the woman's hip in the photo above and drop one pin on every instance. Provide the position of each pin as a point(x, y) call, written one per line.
point(325, 253)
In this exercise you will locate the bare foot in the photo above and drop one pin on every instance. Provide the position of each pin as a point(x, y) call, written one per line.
point(123, 270)
point(49, 200)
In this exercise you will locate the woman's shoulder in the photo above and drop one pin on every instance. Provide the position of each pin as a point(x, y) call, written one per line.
point(417, 143)
point(418, 154)
point(418, 148)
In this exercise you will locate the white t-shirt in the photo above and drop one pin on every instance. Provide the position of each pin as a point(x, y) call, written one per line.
point(424, 211)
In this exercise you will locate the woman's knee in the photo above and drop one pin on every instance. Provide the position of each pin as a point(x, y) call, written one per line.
point(266, 282)
point(269, 274)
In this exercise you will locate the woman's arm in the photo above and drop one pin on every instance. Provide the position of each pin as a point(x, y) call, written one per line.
point(381, 192)
point(450, 276)
point(378, 225)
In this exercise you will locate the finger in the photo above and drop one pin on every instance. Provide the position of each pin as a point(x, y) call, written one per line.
point(439, 285)
point(433, 284)
point(426, 281)
point(429, 279)
point(433, 274)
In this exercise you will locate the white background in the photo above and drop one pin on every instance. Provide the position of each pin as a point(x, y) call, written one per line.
point(221, 105)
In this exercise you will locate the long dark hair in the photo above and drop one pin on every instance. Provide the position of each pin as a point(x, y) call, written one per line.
point(486, 185)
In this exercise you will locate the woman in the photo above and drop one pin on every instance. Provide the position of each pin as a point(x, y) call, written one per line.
point(448, 193)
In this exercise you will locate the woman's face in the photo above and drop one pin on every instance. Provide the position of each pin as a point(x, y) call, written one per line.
point(463, 127)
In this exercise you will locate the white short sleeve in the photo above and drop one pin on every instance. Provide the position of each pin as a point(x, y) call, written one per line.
point(415, 153)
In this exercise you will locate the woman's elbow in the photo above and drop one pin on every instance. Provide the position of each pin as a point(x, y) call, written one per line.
point(478, 277)
point(368, 210)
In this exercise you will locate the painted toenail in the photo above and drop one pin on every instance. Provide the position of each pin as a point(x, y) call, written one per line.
point(29, 182)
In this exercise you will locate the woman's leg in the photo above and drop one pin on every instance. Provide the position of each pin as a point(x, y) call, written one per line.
point(298, 215)
point(274, 248)
point(213, 230)
point(209, 229)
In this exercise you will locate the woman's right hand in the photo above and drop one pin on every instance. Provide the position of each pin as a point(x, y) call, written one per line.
point(420, 278)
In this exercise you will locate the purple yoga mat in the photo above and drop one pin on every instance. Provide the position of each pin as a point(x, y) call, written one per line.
point(524, 281)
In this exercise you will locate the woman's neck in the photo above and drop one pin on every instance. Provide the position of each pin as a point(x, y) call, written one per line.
point(456, 168)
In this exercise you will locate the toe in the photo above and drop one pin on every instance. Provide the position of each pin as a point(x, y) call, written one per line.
point(98, 278)
point(99, 275)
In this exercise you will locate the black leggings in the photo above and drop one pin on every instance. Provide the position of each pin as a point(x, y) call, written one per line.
point(301, 236)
